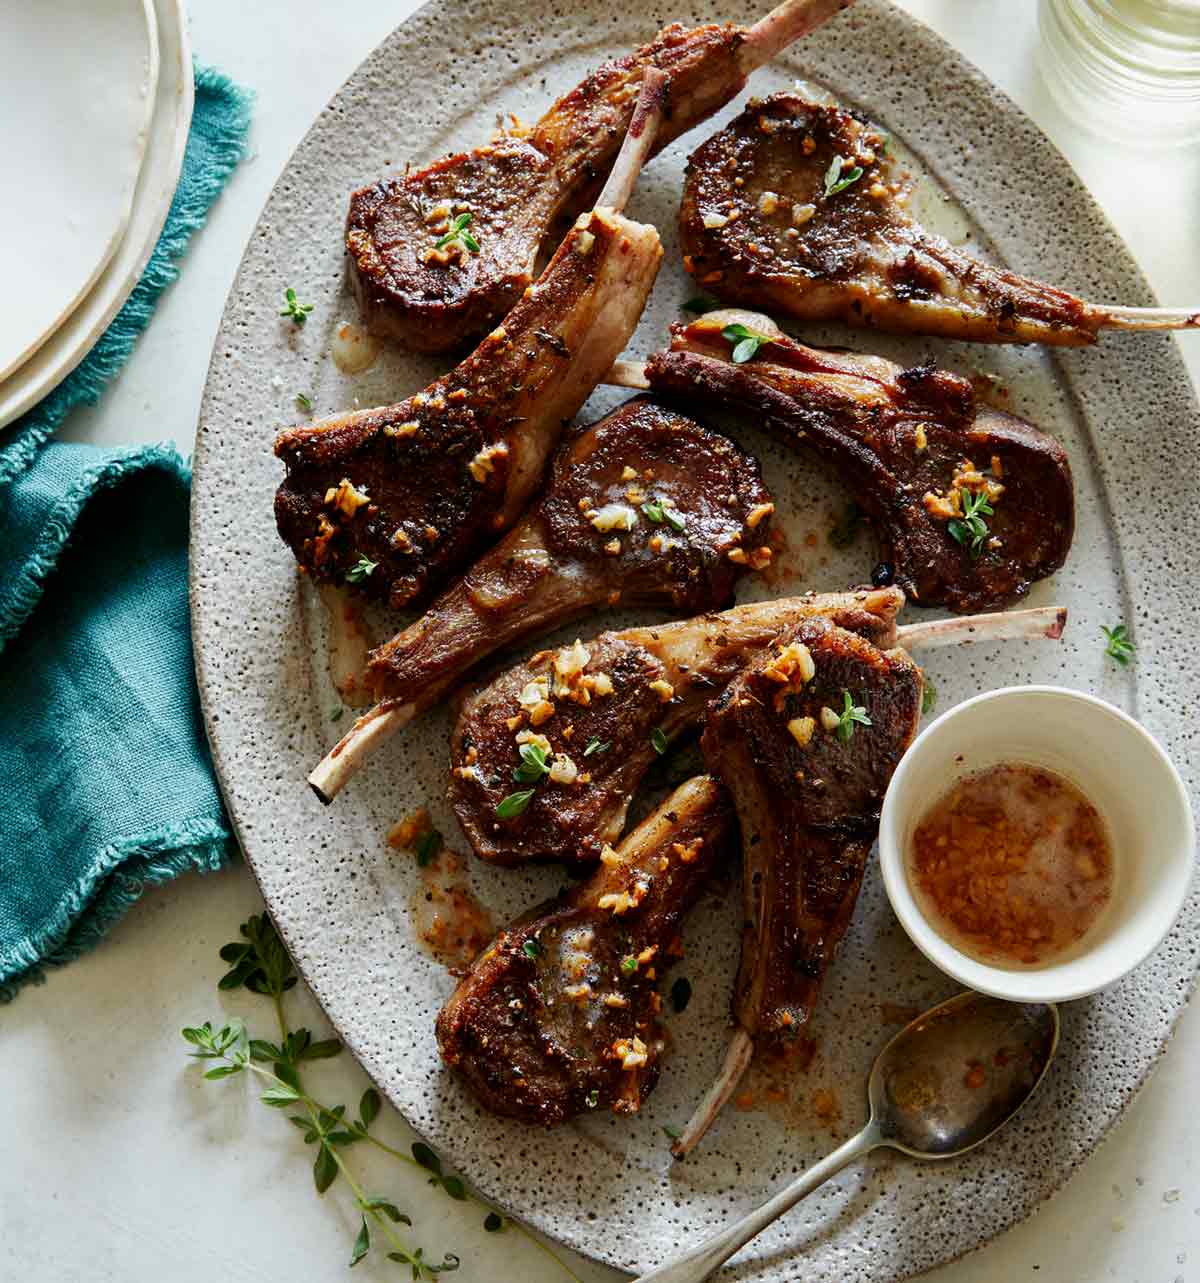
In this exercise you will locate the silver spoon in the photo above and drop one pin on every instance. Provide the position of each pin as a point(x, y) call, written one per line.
point(943, 1085)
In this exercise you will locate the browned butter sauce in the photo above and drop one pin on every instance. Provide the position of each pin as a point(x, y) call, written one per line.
point(1013, 865)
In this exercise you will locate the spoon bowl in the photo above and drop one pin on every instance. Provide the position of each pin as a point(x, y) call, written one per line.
point(944, 1084)
point(954, 1075)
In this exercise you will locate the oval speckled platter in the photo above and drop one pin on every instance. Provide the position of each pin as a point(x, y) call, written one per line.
point(342, 899)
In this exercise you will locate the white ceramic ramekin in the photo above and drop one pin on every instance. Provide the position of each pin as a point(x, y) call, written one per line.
point(1117, 765)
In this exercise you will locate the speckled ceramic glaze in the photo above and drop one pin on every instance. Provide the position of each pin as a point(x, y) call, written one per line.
point(342, 899)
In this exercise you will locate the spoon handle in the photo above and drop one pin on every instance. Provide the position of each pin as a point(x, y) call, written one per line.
point(698, 1262)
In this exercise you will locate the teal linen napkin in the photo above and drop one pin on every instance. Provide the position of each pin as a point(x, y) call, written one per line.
point(109, 786)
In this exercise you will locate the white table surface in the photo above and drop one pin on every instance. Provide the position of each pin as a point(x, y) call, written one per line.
point(120, 1164)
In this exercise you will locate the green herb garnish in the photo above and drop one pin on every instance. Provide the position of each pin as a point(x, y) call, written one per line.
point(595, 746)
point(837, 181)
point(297, 311)
point(652, 509)
point(746, 342)
point(972, 531)
point(629, 964)
point(1119, 648)
point(363, 567)
point(593, 1098)
point(673, 1132)
point(427, 847)
point(531, 948)
point(657, 511)
point(681, 994)
point(259, 962)
point(514, 804)
point(674, 520)
point(700, 303)
point(852, 714)
point(533, 765)
point(928, 697)
point(304, 402)
point(458, 233)
point(659, 740)
point(335, 714)
point(845, 530)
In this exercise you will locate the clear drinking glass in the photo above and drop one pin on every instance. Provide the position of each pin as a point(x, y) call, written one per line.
point(1128, 70)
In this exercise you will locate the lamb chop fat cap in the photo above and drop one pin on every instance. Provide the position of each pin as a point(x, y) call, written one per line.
point(794, 207)
point(913, 446)
point(558, 1015)
point(525, 186)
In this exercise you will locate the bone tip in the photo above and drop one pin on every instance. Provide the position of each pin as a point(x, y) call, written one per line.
point(322, 796)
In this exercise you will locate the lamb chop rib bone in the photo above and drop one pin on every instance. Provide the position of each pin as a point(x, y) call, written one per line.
point(417, 490)
point(808, 808)
point(589, 542)
point(901, 440)
point(520, 190)
point(761, 226)
point(661, 680)
point(558, 1015)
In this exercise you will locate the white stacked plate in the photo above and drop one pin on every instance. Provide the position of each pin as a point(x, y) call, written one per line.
point(95, 104)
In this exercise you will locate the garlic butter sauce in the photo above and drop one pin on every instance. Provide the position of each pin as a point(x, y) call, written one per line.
point(1013, 865)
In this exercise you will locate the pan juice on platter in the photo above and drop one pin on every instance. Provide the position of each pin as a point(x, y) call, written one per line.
point(1014, 865)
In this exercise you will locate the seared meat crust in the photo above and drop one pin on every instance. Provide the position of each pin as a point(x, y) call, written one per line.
point(544, 1024)
point(898, 439)
point(521, 191)
point(757, 228)
point(446, 471)
point(662, 678)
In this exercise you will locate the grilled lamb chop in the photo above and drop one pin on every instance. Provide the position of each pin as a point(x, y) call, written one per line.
point(807, 789)
point(793, 208)
point(643, 507)
point(558, 1016)
point(398, 499)
point(914, 446)
point(627, 695)
point(520, 190)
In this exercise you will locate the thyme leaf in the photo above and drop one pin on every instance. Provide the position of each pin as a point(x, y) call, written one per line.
point(852, 715)
point(293, 308)
point(1119, 647)
point(837, 178)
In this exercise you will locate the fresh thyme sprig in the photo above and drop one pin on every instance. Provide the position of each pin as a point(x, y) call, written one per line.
point(305, 402)
point(260, 963)
point(852, 714)
point(928, 696)
point(1119, 648)
point(363, 567)
point(458, 234)
point(746, 342)
point(293, 308)
point(837, 178)
point(972, 531)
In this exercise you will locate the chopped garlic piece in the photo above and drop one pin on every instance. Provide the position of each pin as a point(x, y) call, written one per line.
point(663, 689)
point(633, 1053)
point(540, 713)
point(533, 737)
point(921, 439)
point(613, 516)
point(801, 730)
point(401, 429)
point(615, 1000)
point(483, 465)
point(801, 214)
point(601, 683)
point(609, 856)
point(618, 901)
point(534, 693)
point(768, 202)
point(563, 770)
point(628, 473)
point(713, 221)
point(571, 659)
point(829, 719)
point(758, 513)
point(346, 497)
point(585, 242)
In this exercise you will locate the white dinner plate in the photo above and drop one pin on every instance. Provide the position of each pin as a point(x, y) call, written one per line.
point(77, 87)
point(171, 115)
